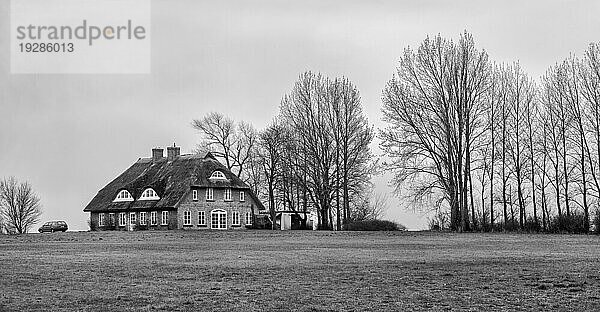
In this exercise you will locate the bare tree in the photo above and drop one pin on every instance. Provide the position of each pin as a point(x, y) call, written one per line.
point(218, 135)
point(352, 135)
point(330, 137)
point(272, 141)
point(232, 142)
point(19, 205)
point(2, 225)
point(590, 89)
point(371, 206)
point(521, 93)
point(575, 108)
point(432, 106)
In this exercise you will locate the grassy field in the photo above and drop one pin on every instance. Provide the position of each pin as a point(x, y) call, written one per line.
point(302, 271)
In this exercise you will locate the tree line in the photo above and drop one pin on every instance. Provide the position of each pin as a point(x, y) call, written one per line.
point(487, 146)
point(313, 156)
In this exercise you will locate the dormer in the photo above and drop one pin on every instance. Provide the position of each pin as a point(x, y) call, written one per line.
point(149, 194)
point(217, 175)
point(123, 196)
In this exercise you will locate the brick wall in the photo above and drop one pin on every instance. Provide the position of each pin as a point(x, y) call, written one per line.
point(171, 222)
point(193, 206)
point(218, 202)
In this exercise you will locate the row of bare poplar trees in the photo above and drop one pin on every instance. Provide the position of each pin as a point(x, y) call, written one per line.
point(487, 142)
point(314, 156)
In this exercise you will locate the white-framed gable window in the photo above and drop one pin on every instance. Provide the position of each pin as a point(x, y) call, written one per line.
point(209, 193)
point(122, 219)
point(101, 219)
point(201, 218)
point(248, 218)
point(142, 218)
point(194, 194)
point(149, 194)
point(218, 175)
point(187, 218)
point(227, 195)
point(242, 196)
point(153, 218)
point(235, 218)
point(123, 196)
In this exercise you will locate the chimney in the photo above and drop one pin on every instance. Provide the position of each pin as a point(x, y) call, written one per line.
point(172, 152)
point(157, 154)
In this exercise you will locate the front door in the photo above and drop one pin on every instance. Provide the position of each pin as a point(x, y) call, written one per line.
point(218, 219)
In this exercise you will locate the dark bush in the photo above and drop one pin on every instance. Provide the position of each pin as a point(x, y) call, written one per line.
point(93, 224)
point(141, 227)
point(262, 222)
point(440, 221)
point(374, 225)
point(574, 223)
point(509, 226)
point(109, 223)
point(531, 226)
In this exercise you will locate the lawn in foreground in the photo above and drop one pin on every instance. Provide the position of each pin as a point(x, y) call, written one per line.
point(298, 270)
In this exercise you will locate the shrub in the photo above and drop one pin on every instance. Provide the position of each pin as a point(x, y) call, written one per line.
point(93, 224)
point(531, 226)
point(568, 224)
point(139, 226)
point(374, 225)
point(440, 221)
point(109, 223)
point(508, 226)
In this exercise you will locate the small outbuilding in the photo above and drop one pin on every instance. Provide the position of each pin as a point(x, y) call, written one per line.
point(293, 220)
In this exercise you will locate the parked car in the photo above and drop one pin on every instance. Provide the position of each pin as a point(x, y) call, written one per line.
point(54, 226)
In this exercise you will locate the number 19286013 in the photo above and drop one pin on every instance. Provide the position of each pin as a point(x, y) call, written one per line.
point(35, 47)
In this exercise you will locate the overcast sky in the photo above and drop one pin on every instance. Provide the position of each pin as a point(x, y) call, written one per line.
point(69, 135)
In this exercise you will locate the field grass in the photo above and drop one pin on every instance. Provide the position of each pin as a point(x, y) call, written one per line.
point(300, 270)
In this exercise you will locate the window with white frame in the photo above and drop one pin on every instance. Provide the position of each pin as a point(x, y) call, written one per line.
point(217, 175)
point(218, 219)
point(122, 219)
point(248, 218)
point(227, 195)
point(123, 196)
point(165, 218)
point(201, 218)
point(194, 194)
point(209, 193)
point(235, 218)
point(187, 218)
point(153, 218)
point(101, 219)
point(132, 218)
point(142, 218)
point(111, 219)
point(149, 194)
point(242, 196)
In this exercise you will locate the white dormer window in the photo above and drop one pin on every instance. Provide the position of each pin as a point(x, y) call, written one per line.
point(149, 194)
point(123, 196)
point(218, 175)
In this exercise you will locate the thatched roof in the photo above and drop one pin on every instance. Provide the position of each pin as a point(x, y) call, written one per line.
point(171, 180)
